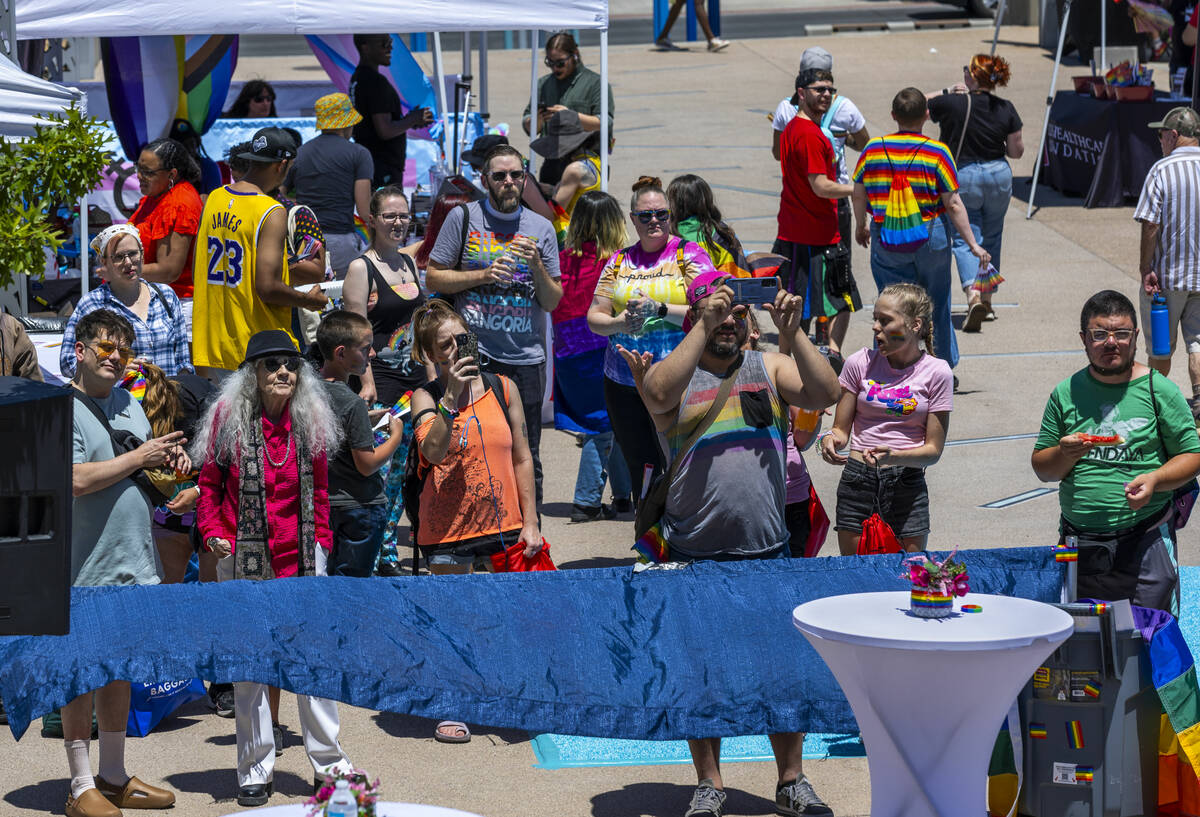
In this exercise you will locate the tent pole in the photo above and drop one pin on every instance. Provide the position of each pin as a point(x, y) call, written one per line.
point(483, 76)
point(466, 57)
point(1037, 162)
point(1103, 37)
point(1000, 9)
point(439, 76)
point(604, 109)
point(533, 97)
point(84, 273)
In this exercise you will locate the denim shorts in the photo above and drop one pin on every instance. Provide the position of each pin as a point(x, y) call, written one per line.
point(902, 495)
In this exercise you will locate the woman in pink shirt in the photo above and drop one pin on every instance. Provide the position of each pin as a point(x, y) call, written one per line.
point(893, 413)
point(272, 423)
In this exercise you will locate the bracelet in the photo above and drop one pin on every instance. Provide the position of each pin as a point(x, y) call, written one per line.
point(446, 411)
point(823, 435)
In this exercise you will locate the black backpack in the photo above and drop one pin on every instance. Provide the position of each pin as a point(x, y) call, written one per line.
point(413, 481)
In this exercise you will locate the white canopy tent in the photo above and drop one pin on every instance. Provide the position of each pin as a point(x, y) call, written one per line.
point(102, 18)
point(24, 96)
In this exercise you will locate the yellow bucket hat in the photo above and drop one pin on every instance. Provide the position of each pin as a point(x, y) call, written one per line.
point(336, 111)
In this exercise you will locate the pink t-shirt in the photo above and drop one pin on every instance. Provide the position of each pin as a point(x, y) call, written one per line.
point(894, 404)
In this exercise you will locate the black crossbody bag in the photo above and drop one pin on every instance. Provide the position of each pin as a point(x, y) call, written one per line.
point(122, 442)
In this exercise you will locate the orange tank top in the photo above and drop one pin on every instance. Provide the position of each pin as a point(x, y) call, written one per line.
point(457, 500)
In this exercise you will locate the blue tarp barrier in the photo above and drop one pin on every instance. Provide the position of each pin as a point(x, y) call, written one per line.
point(704, 651)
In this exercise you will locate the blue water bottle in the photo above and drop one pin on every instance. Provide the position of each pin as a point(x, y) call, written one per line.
point(1160, 327)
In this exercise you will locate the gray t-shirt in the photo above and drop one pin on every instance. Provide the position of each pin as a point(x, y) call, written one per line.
point(111, 541)
point(728, 493)
point(509, 321)
point(323, 177)
point(347, 487)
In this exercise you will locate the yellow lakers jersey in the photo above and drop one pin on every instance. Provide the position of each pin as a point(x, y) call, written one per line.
point(226, 309)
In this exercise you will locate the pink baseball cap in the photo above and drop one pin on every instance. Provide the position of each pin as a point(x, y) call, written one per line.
point(704, 285)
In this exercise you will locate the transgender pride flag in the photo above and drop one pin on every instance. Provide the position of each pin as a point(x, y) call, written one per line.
point(338, 56)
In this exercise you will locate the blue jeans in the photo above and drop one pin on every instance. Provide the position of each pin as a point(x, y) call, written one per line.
point(929, 268)
point(599, 449)
point(357, 535)
point(985, 189)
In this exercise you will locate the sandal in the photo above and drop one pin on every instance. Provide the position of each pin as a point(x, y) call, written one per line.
point(460, 734)
point(975, 314)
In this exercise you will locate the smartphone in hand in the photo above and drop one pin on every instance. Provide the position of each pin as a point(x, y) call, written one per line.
point(753, 291)
point(468, 346)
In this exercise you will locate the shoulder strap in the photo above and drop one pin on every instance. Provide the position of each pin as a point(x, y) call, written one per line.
point(498, 387)
point(827, 119)
point(462, 239)
point(1157, 424)
point(95, 409)
point(162, 299)
point(709, 418)
point(962, 136)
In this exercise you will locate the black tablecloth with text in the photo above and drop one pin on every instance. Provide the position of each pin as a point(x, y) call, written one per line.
point(1101, 149)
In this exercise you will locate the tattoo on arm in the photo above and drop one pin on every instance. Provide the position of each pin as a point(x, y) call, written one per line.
point(524, 432)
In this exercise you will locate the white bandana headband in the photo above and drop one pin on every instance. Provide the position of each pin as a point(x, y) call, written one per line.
point(99, 244)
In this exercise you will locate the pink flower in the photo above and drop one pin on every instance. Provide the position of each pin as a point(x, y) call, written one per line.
point(960, 585)
point(918, 575)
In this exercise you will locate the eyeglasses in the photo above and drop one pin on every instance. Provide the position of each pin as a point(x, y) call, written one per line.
point(499, 176)
point(272, 364)
point(556, 63)
point(146, 171)
point(125, 257)
point(647, 216)
point(403, 218)
point(105, 348)
point(821, 89)
point(1102, 335)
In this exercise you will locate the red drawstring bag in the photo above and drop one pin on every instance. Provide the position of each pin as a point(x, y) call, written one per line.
point(512, 559)
point(818, 524)
point(877, 537)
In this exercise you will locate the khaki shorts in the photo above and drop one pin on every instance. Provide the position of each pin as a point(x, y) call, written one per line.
point(1183, 309)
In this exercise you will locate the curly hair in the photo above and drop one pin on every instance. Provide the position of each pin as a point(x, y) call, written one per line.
point(989, 72)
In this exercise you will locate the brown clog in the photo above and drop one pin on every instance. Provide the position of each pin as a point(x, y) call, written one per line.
point(135, 794)
point(91, 804)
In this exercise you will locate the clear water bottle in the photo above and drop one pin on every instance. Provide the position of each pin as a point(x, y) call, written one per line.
point(342, 802)
point(1160, 327)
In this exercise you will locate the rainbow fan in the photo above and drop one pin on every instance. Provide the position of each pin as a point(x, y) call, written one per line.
point(988, 280)
point(134, 382)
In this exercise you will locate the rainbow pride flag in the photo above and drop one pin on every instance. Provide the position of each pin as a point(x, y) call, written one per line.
point(1074, 734)
point(143, 78)
point(1084, 774)
point(208, 66)
point(1037, 731)
point(651, 546)
point(134, 382)
point(560, 220)
point(1092, 689)
point(1066, 553)
point(402, 407)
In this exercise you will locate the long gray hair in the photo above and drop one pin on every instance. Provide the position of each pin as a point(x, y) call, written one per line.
point(230, 419)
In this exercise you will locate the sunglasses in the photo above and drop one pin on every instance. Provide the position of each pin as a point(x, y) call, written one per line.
point(647, 216)
point(1102, 335)
point(556, 63)
point(823, 89)
point(290, 362)
point(499, 176)
point(105, 348)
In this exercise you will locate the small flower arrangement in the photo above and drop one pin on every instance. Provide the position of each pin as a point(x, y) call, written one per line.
point(935, 584)
point(367, 794)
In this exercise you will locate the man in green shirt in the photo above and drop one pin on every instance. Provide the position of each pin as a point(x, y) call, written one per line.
point(569, 86)
point(1116, 494)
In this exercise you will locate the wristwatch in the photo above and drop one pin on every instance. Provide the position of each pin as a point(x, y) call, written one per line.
point(662, 310)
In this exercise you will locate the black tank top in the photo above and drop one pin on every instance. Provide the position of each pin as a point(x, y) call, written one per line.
point(391, 327)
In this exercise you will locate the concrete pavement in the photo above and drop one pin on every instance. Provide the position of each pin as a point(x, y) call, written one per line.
point(696, 112)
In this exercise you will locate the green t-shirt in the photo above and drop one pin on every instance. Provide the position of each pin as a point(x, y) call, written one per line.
point(1092, 495)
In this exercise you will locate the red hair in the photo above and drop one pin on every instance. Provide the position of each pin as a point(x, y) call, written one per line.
point(989, 71)
point(441, 207)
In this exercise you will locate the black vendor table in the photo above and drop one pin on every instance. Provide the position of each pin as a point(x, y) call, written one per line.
point(1101, 149)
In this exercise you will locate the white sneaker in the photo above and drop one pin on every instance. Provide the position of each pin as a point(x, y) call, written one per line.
point(717, 44)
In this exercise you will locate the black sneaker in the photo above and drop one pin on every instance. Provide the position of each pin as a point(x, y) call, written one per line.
point(389, 569)
point(221, 696)
point(797, 799)
point(581, 513)
point(277, 735)
point(622, 504)
point(707, 801)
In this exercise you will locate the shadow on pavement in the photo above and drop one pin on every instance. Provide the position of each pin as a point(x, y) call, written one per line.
point(418, 728)
point(221, 784)
point(48, 795)
point(597, 561)
point(670, 800)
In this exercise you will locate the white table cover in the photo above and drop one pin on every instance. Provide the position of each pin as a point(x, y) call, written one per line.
point(381, 810)
point(930, 695)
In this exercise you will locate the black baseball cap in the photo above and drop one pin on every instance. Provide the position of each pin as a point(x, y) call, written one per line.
point(479, 150)
point(270, 342)
point(270, 145)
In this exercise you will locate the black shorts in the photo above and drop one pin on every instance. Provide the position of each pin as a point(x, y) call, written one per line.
point(902, 495)
point(807, 273)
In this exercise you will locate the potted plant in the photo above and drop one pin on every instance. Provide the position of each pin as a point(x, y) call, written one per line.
point(935, 584)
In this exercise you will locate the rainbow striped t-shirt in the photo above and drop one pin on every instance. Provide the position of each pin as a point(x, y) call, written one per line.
point(930, 174)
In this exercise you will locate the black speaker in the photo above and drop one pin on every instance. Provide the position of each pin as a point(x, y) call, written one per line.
point(35, 508)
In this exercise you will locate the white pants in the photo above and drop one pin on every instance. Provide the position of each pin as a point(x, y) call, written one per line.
point(252, 718)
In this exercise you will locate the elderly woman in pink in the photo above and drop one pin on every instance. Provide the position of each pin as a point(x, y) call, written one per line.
point(264, 510)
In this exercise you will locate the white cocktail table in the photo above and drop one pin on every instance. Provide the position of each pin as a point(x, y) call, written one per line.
point(930, 695)
point(381, 810)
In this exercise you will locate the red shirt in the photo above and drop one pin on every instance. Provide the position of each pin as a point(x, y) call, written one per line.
point(805, 217)
point(217, 510)
point(175, 211)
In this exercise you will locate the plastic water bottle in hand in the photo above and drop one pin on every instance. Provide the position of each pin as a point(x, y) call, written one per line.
point(638, 313)
point(342, 802)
